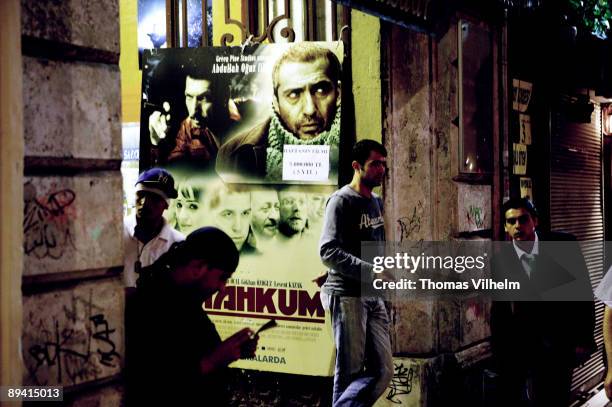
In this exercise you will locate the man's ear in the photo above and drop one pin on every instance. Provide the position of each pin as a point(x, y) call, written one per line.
point(356, 165)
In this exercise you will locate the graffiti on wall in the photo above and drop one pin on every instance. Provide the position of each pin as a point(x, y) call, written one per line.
point(75, 345)
point(401, 383)
point(408, 225)
point(46, 223)
point(475, 216)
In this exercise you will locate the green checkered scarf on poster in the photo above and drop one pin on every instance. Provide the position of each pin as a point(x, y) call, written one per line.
point(278, 136)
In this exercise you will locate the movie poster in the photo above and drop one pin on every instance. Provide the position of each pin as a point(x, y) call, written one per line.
point(252, 138)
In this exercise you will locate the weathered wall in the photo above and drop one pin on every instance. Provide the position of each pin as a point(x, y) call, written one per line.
point(72, 332)
point(423, 197)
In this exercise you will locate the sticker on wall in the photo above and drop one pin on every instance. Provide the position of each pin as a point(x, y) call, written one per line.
point(521, 94)
point(526, 187)
point(520, 159)
point(525, 129)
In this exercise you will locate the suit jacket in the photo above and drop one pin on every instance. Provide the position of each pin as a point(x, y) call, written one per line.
point(532, 326)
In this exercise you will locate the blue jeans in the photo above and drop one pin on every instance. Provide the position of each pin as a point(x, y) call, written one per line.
point(364, 363)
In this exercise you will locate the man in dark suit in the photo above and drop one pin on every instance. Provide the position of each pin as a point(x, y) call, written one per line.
point(546, 328)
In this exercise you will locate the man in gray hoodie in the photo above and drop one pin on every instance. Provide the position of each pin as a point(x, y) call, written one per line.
point(360, 324)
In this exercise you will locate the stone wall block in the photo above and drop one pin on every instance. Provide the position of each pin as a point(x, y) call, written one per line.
point(474, 207)
point(92, 24)
point(73, 335)
point(72, 223)
point(415, 327)
point(71, 110)
point(414, 380)
point(409, 140)
point(475, 320)
point(449, 325)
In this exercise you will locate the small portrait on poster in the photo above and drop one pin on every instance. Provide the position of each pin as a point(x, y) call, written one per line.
point(301, 212)
point(265, 217)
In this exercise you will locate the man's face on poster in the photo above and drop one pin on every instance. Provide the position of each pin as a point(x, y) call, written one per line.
point(265, 212)
point(233, 215)
point(198, 99)
point(306, 98)
point(316, 205)
point(293, 210)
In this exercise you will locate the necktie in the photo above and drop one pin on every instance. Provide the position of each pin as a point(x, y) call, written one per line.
point(528, 261)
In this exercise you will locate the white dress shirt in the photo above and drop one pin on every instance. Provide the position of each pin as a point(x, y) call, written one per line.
point(148, 253)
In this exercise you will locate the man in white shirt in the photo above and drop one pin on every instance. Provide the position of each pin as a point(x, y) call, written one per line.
point(146, 234)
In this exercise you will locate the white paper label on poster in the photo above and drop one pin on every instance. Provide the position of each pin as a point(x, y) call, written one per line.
point(305, 163)
point(520, 159)
point(526, 188)
point(525, 129)
point(521, 95)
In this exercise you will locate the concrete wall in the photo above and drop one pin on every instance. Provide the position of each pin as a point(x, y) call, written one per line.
point(425, 199)
point(72, 332)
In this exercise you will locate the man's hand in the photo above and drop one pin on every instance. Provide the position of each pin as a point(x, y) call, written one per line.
point(320, 279)
point(240, 344)
point(158, 124)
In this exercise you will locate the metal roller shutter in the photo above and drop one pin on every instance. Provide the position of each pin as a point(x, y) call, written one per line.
point(576, 206)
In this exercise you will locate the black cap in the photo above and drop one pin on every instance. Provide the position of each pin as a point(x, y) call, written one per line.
point(214, 246)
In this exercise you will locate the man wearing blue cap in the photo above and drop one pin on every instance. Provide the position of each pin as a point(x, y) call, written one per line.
point(147, 235)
